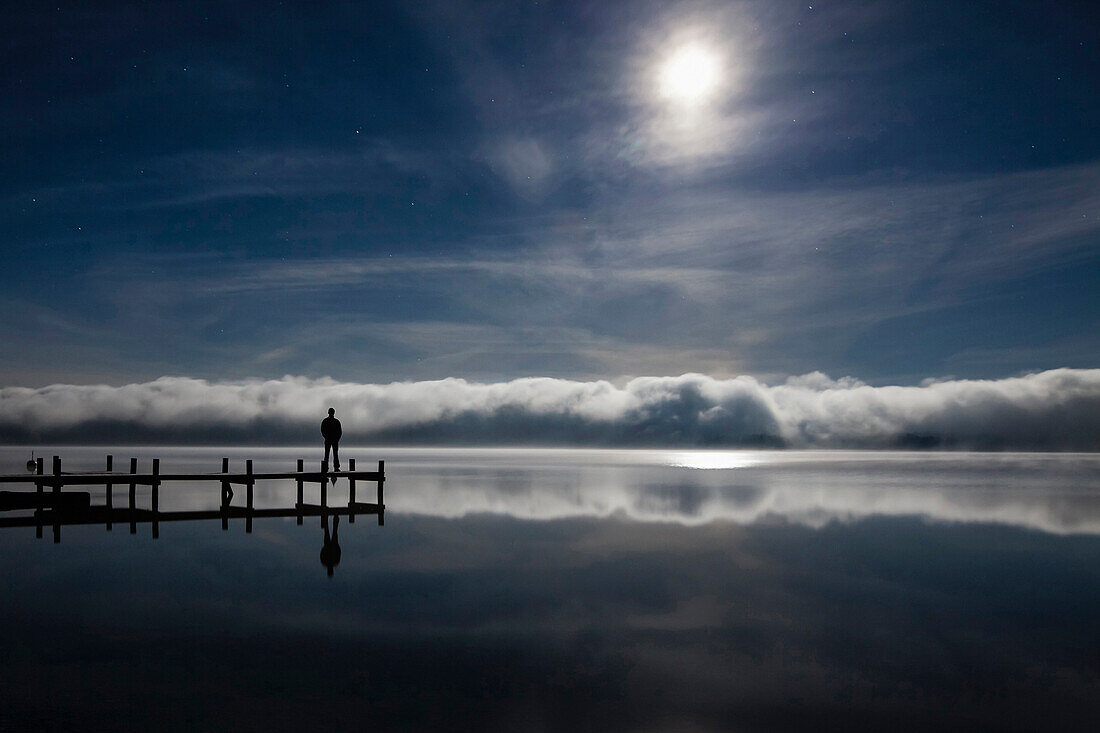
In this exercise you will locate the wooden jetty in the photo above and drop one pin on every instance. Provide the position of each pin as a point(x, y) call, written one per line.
point(57, 508)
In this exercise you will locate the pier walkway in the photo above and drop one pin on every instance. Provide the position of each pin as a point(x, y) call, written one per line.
point(57, 507)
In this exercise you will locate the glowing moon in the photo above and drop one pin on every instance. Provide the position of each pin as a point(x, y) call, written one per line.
point(689, 75)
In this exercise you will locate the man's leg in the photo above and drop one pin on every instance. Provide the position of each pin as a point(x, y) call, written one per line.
point(328, 445)
point(336, 454)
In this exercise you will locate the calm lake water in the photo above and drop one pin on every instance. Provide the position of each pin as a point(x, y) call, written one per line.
point(528, 590)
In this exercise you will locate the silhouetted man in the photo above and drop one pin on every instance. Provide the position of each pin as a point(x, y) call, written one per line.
point(330, 551)
point(330, 429)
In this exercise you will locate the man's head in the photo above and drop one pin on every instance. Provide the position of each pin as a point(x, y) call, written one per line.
point(331, 411)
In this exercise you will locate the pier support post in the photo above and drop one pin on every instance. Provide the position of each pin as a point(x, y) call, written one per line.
point(381, 505)
point(324, 483)
point(57, 499)
point(155, 497)
point(109, 492)
point(39, 469)
point(351, 492)
point(250, 484)
point(133, 498)
point(301, 489)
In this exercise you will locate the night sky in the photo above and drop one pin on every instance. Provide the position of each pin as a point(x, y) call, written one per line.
point(412, 191)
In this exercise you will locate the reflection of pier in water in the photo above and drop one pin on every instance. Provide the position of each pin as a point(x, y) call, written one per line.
point(57, 508)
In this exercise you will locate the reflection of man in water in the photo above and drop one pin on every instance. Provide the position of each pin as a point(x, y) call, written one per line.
point(330, 429)
point(330, 552)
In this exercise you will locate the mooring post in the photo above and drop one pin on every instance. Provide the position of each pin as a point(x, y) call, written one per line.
point(301, 489)
point(133, 498)
point(155, 498)
point(57, 499)
point(109, 491)
point(381, 480)
point(351, 491)
point(39, 469)
point(250, 483)
point(227, 496)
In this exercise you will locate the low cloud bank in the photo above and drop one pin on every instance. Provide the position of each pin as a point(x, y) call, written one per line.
point(1052, 410)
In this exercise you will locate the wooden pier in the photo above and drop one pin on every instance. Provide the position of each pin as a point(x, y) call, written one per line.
point(57, 508)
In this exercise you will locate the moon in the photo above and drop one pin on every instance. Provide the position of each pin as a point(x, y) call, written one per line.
point(690, 74)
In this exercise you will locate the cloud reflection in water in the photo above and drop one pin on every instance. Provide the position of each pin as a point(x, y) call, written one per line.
point(1048, 492)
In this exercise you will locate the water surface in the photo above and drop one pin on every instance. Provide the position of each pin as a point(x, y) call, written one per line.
point(579, 590)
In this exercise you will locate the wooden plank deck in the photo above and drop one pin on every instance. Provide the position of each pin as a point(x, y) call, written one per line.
point(102, 515)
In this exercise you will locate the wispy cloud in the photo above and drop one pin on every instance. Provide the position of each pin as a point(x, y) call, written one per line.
point(722, 282)
point(552, 206)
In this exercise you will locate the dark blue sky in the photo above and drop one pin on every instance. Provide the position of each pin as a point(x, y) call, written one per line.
point(376, 191)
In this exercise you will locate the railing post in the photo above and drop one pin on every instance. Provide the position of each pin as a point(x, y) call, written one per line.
point(351, 491)
point(109, 492)
point(133, 498)
point(155, 497)
point(57, 499)
point(381, 505)
point(40, 469)
point(250, 484)
point(227, 495)
point(301, 489)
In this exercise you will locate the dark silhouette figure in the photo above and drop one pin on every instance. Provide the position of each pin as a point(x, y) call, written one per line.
point(330, 552)
point(331, 431)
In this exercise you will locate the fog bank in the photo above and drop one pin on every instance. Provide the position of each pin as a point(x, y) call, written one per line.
point(1053, 410)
